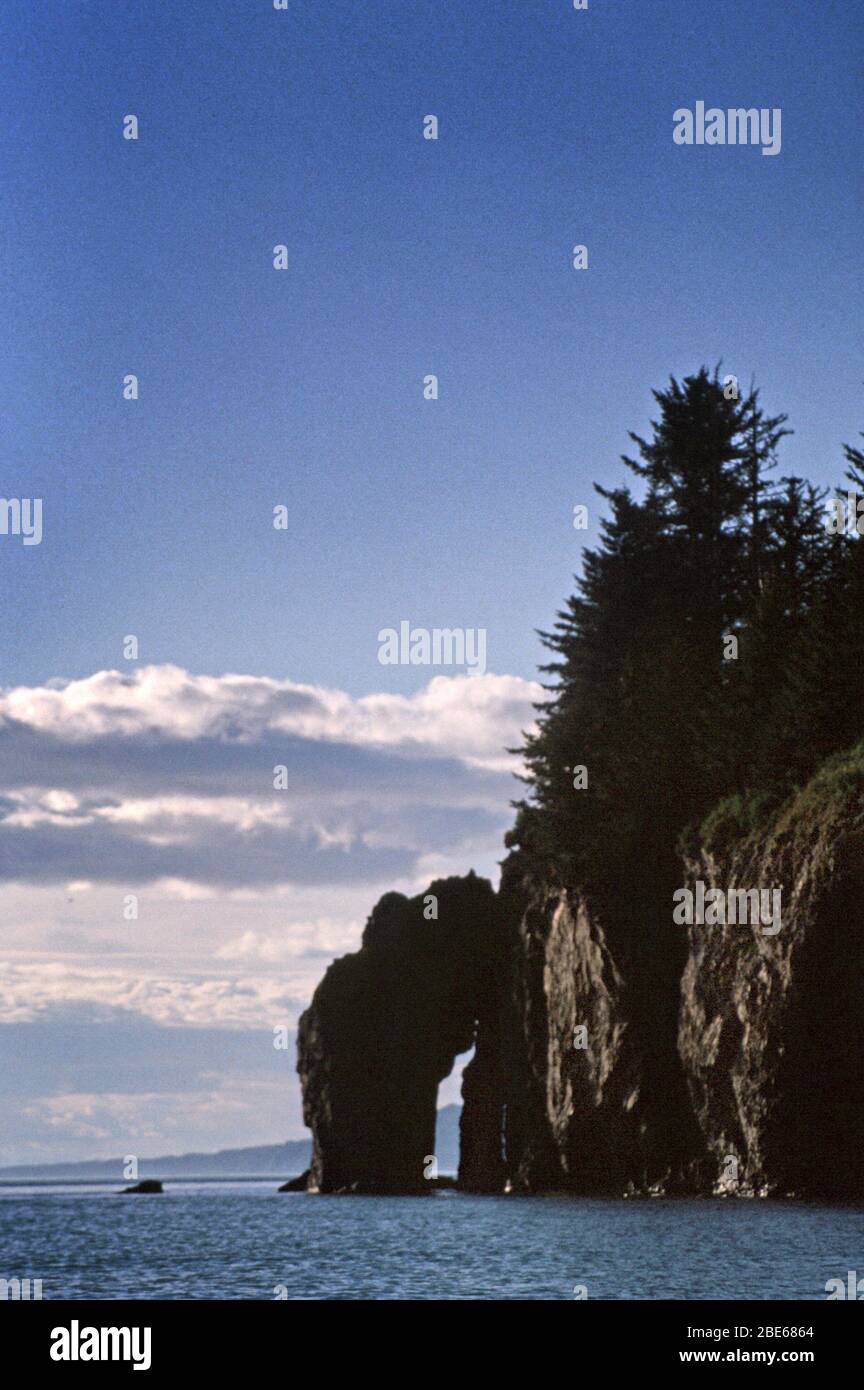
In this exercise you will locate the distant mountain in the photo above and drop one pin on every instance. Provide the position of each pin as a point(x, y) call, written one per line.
point(264, 1161)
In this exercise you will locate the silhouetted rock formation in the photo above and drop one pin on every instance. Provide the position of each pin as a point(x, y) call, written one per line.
point(146, 1188)
point(299, 1184)
point(616, 1051)
point(383, 1030)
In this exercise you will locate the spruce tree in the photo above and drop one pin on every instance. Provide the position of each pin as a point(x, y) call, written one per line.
point(638, 650)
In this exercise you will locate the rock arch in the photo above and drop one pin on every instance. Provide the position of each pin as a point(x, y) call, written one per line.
point(383, 1030)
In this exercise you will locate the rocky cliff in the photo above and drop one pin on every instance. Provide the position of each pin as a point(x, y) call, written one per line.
point(770, 1032)
point(601, 1103)
point(383, 1030)
point(617, 1050)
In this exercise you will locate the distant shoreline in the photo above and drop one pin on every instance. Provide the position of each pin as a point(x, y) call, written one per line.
point(283, 1161)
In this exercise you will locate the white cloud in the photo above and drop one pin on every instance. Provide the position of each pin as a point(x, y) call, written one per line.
point(471, 717)
point(162, 776)
point(210, 1112)
point(324, 936)
point(35, 989)
point(160, 784)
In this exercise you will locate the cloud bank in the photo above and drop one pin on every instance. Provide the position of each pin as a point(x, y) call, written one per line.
point(161, 775)
point(154, 1034)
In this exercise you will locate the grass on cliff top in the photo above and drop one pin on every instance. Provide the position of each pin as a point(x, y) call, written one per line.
point(835, 792)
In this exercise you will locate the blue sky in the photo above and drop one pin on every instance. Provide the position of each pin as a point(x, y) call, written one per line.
point(304, 387)
point(407, 256)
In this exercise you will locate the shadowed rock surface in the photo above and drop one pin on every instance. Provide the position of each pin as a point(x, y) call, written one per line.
point(715, 1058)
point(298, 1184)
point(147, 1188)
point(771, 1032)
point(599, 1103)
point(384, 1028)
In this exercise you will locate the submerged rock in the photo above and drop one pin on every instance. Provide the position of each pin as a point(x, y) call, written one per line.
point(299, 1184)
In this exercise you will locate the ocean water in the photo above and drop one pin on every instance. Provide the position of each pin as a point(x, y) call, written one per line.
point(243, 1240)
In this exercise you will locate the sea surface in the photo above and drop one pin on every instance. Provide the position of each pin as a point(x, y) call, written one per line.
point(244, 1240)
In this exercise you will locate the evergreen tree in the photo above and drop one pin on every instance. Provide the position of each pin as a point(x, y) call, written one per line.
point(638, 650)
point(824, 702)
point(750, 724)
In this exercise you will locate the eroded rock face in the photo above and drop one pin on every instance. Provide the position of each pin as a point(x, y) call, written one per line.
point(382, 1031)
point(770, 1031)
point(575, 1084)
point(601, 1106)
point(758, 1086)
point(616, 1051)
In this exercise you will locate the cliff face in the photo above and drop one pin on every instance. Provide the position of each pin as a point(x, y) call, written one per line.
point(770, 1031)
point(382, 1031)
point(575, 1083)
point(601, 1104)
point(616, 1050)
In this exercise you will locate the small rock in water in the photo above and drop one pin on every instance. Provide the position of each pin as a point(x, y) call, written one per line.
point(296, 1184)
point(148, 1185)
